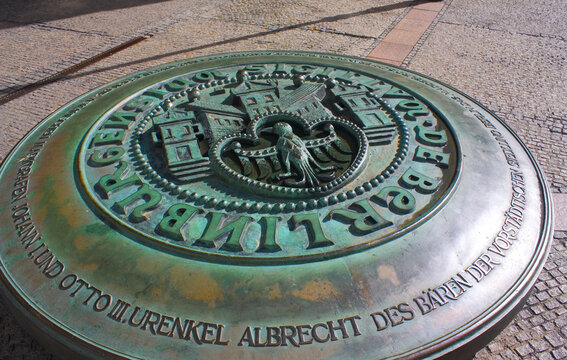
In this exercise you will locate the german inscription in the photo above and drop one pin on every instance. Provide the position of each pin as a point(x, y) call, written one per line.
point(108, 150)
point(261, 163)
point(277, 203)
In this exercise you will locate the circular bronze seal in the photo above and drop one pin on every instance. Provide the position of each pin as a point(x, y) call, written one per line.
point(271, 205)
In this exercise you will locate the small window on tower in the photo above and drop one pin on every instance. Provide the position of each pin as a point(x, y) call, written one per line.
point(251, 101)
point(183, 153)
point(268, 98)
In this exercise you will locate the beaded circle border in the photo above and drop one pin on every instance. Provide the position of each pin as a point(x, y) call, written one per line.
point(144, 168)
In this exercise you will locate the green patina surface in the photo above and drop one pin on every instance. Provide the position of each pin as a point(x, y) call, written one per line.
point(233, 205)
point(254, 163)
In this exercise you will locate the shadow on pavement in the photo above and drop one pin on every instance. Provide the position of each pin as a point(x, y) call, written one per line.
point(65, 74)
point(14, 13)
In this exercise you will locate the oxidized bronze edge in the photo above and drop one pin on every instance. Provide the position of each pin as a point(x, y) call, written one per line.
point(491, 318)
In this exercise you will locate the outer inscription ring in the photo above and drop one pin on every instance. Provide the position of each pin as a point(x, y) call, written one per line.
point(100, 278)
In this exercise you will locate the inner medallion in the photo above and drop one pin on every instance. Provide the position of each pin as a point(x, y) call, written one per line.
point(273, 162)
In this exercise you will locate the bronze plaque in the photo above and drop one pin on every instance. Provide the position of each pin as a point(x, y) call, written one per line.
point(271, 205)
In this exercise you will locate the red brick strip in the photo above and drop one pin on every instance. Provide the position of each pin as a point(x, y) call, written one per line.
point(399, 42)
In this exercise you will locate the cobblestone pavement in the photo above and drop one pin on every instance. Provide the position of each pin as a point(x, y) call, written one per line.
point(509, 54)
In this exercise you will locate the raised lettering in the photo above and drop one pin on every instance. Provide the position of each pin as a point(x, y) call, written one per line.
point(430, 137)
point(312, 224)
point(423, 184)
point(118, 310)
point(268, 239)
point(215, 230)
point(402, 202)
point(150, 197)
point(363, 218)
point(175, 217)
point(108, 138)
point(110, 156)
point(432, 156)
point(112, 182)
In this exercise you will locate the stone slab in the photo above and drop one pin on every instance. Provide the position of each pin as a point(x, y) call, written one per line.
point(187, 39)
point(182, 40)
point(147, 17)
point(33, 53)
point(545, 17)
point(18, 12)
point(362, 18)
point(391, 51)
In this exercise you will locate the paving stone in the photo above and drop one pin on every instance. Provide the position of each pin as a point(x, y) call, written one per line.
point(523, 336)
point(545, 356)
point(537, 309)
point(562, 298)
point(544, 332)
point(483, 354)
point(526, 313)
point(542, 296)
point(143, 19)
point(524, 350)
point(537, 332)
point(27, 62)
point(548, 326)
point(508, 354)
point(495, 347)
point(552, 304)
point(555, 339)
point(561, 322)
point(391, 51)
point(544, 276)
point(539, 345)
point(494, 357)
point(549, 315)
point(560, 353)
point(555, 292)
point(532, 300)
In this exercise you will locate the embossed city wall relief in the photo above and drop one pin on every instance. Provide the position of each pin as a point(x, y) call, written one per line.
point(246, 161)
